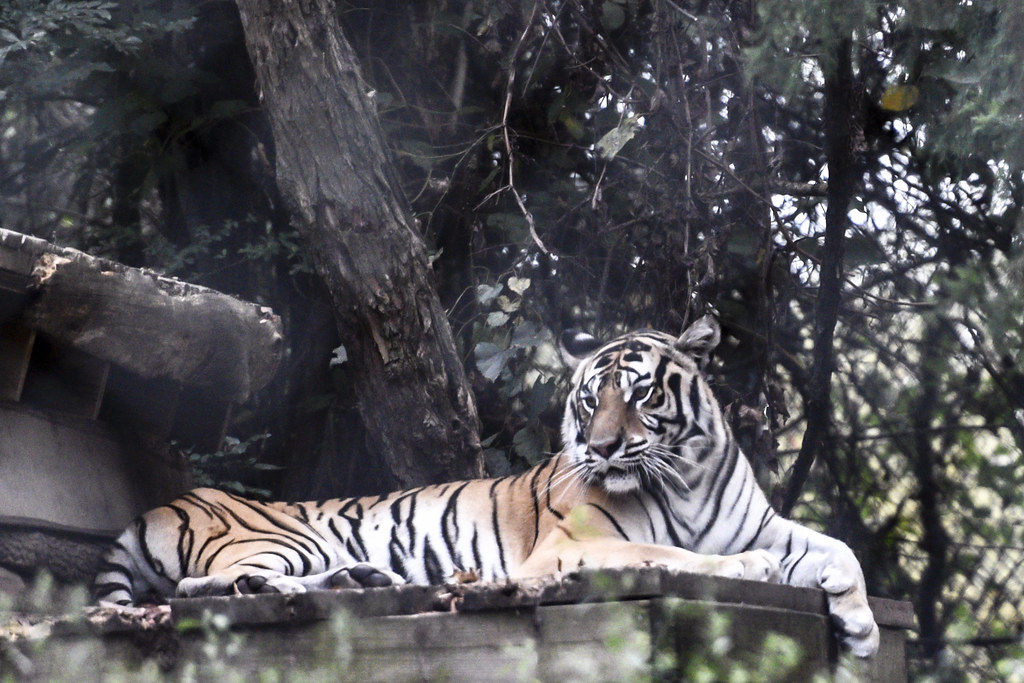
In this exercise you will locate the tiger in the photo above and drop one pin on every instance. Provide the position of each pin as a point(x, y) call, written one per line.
point(649, 474)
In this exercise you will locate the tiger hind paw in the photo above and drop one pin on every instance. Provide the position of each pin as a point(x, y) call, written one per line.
point(254, 584)
point(364, 576)
point(238, 584)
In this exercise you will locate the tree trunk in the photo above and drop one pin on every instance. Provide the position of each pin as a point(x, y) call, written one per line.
point(336, 178)
point(842, 134)
point(928, 466)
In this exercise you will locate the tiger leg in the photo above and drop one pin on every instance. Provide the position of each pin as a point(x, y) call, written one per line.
point(813, 559)
point(561, 551)
point(246, 580)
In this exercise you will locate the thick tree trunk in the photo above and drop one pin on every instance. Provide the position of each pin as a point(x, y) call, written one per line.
point(335, 175)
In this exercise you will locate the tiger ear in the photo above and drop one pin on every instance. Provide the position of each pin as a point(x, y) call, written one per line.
point(700, 339)
point(574, 345)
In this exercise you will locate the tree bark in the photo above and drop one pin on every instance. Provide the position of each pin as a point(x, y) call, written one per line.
point(842, 133)
point(338, 183)
point(928, 467)
point(156, 327)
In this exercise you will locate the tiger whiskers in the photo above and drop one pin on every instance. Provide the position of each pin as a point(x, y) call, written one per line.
point(574, 482)
point(562, 475)
point(670, 453)
point(574, 476)
point(573, 494)
point(663, 459)
point(663, 472)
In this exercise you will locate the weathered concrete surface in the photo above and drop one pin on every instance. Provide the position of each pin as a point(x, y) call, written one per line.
point(65, 492)
point(62, 472)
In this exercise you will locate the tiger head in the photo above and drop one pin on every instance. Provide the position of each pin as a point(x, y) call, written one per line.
point(638, 407)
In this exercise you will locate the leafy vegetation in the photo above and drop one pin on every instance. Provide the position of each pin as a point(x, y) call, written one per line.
point(613, 164)
point(216, 468)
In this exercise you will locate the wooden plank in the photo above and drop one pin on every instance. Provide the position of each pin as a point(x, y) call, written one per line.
point(63, 472)
point(102, 374)
point(15, 275)
point(898, 614)
point(890, 664)
point(635, 583)
point(16, 342)
point(64, 379)
point(690, 631)
point(315, 636)
point(556, 643)
point(312, 606)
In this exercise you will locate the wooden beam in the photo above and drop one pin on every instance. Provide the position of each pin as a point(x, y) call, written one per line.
point(64, 379)
point(16, 342)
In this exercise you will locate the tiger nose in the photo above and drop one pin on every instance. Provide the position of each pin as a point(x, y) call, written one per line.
point(606, 447)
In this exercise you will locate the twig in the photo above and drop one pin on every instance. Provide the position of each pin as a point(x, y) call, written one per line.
point(508, 142)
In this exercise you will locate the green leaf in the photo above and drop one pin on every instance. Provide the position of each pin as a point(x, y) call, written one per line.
point(485, 294)
point(518, 284)
point(531, 443)
point(420, 153)
point(862, 250)
point(188, 624)
point(612, 16)
point(497, 463)
point(612, 142)
point(899, 98)
point(527, 335)
point(496, 319)
point(507, 304)
point(491, 359)
point(571, 124)
point(540, 397)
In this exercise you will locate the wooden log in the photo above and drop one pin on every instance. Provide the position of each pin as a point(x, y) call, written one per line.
point(155, 326)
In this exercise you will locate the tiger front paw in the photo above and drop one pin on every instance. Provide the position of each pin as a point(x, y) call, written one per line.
point(753, 565)
point(849, 610)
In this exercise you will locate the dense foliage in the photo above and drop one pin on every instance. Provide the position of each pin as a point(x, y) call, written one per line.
point(611, 164)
